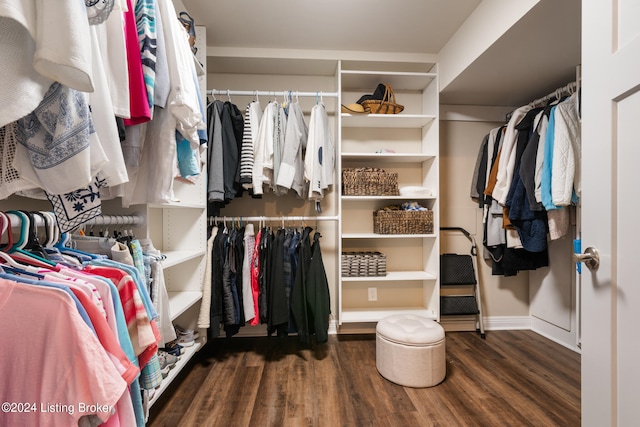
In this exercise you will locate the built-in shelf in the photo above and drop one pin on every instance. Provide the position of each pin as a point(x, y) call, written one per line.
point(389, 157)
point(363, 198)
point(410, 284)
point(360, 80)
point(178, 205)
point(384, 236)
point(386, 120)
point(393, 276)
point(181, 301)
point(178, 257)
point(373, 315)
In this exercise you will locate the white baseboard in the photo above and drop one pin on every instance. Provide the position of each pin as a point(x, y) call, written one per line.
point(466, 323)
point(503, 323)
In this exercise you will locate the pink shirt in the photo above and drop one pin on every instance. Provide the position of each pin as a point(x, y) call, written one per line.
point(143, 331)
point(138, 100)
point(55, 363)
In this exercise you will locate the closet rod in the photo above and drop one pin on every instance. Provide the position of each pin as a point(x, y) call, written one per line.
point(16, 221)
point(270, 93)
point(569, 88)
point(274, 218)
point(116, 220)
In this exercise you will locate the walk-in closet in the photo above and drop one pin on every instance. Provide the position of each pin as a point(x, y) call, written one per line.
point(211, 211)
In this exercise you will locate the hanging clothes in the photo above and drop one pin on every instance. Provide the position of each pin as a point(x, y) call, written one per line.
point(252, 119)
point(527, 174)
point(215, 165)
point(291, 169)
point(299, 292)
point(275, 278)
point(49, 317)
point(319, 160)
point(263, 149)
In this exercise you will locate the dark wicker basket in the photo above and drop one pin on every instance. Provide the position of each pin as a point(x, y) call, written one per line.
point(369, 182)
point(402, 222)
point(386, 105)
point(363, 264)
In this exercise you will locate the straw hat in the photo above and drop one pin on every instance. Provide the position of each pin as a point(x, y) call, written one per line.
point(353, 109)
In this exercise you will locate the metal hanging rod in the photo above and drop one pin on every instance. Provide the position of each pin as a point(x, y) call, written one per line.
point(16, 221)
point(271, 93)
point(274, 218)
point(116, 220)
point(567, 89)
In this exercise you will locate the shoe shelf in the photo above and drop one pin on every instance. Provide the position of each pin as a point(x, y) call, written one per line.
point(189, 353)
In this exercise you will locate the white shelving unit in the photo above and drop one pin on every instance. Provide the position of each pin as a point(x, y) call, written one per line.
point(179, 231)
point(411, 283)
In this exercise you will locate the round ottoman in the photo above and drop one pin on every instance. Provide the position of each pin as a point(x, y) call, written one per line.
point(410, 350)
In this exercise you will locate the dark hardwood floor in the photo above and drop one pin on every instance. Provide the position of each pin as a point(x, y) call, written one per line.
point(513, 378)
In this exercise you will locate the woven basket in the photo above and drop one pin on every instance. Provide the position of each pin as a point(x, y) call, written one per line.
point(363, 264)
point(402, 222)
point(369, 182)
point(387, 105)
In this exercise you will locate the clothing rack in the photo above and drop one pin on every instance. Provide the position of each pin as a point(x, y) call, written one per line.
point(272, 218)
point(271, 93)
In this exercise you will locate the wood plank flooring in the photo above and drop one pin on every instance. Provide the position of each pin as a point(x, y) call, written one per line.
point(513, 378)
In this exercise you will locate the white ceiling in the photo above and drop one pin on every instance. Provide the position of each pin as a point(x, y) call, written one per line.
point(537, 55)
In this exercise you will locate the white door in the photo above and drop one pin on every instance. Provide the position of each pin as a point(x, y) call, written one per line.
point(611, 212)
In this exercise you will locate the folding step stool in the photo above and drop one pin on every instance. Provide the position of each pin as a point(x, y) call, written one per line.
point(459, 271)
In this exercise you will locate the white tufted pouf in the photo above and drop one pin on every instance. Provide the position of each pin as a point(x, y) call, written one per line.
point(410, 350)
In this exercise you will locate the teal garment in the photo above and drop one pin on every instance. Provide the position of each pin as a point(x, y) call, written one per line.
point(547, 165)
point(138, 258)
point(145, 12)
point(188, 163)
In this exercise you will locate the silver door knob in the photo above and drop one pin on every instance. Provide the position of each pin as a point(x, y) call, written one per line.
point(590, 257)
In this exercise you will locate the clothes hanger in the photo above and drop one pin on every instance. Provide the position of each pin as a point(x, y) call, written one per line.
point(31, 247)
point(47, 231)
point(33, 244)
point(24, 230)
point(5, 226)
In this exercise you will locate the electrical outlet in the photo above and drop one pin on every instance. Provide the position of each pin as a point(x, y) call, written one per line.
point(373, 294)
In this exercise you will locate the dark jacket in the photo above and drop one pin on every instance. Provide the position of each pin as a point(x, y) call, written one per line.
point(299, 291)
point(318, 300)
